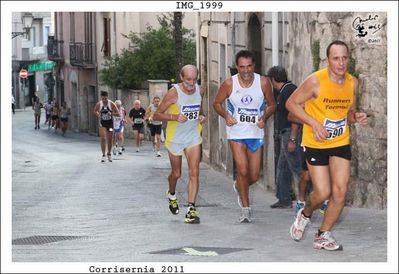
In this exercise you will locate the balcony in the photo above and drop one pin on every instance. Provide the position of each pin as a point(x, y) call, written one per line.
point(81, 54)
point(55, 49)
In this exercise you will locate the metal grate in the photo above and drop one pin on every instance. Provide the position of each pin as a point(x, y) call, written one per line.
point(39, 240)
point(199, 251)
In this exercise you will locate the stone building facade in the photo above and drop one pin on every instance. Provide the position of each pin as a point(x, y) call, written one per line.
point(298, 41)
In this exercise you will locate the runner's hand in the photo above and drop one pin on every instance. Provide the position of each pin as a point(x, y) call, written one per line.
point(261, 123)
point(361, 118)
point(230, 121)
point(319, 132)
point(201, 119)
point(181, 118)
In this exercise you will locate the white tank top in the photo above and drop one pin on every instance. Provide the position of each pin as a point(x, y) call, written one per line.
point(189, 131)
point(246, 105)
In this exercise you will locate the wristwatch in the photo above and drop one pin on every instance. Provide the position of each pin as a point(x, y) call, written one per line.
point(292, 140)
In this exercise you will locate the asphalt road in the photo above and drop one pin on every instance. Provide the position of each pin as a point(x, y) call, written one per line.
point(69, 208)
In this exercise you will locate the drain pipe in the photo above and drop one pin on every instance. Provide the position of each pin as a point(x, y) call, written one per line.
point(275, 49)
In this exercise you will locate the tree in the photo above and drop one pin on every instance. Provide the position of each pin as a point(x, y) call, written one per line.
point(177, 23)
point(151, 55)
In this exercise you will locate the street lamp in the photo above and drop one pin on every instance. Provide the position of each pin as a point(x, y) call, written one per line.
point(27, 20)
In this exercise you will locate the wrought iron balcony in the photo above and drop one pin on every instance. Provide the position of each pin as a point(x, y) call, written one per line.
point(81, 54)
point(55, 49)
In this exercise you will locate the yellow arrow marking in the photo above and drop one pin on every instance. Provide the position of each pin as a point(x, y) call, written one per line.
point(193, 252)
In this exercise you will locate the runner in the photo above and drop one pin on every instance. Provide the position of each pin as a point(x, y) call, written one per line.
point(328, 97)
point(181, 107)
point(245, 118)
point(136, 117)
point(105, 109)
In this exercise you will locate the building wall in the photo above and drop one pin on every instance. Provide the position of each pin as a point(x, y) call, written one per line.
point(79, 82)
point(27, 50)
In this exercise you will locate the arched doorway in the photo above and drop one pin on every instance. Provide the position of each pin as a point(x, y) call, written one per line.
point(255, 40)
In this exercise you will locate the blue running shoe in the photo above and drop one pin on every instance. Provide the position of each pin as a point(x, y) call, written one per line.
point(299, 206)
point(323, 208)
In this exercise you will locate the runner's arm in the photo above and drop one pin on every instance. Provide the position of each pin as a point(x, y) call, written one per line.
point(169, 99)
point(223, 93)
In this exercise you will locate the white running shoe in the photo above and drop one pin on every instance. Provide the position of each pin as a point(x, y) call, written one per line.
point(298, 227)
point(245, 215)
point(158, 154)
point(109, 158)
point(137, 149)
point(103, 159)
point(326, 241)
point(114, 150)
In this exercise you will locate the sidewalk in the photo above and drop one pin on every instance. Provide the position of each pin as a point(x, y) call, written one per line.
point(118, 212)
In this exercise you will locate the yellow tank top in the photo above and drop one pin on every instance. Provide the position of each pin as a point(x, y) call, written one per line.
point(331, 109)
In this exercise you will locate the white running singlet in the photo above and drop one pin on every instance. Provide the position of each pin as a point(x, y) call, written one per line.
point(246, 105)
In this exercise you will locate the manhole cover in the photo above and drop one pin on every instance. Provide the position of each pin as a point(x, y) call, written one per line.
point(200, 251)
point(39, 240)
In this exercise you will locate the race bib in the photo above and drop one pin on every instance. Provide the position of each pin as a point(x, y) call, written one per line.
point(334, 128)
point(105, 115)
point(138, 120)
point(247, 115)
point(191, 111)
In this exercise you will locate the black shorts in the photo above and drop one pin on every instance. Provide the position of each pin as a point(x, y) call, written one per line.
point(139, 128)
point(155, 129)
point(108, 124)
point(64, 119)
point(54, 117)
point(321, 157)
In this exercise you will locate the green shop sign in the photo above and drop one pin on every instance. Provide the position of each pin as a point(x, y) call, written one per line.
point(41, 66)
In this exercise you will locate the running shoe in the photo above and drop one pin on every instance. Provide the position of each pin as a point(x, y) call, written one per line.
point(280, 205)
point(114, 150)
point(123, 148)
point(109, 157)
point(137, 149)
point(237, 193)
point(299, 206)
point(323, 207)
point(245, 215)
point(298, 227)
point(326, 241)
point(192, 216)
point(173, 203)
point(103, 159)
point(120, 151)
point(158, 154)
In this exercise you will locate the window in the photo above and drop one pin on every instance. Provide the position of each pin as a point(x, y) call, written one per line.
point(72, 27)
point(45, 36)
point(34, 34)
point(106, 48)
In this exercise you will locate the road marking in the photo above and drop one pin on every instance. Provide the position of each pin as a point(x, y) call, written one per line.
point(193, 252)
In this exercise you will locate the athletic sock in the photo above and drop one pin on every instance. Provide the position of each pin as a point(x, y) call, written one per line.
point(191, 205)
point(320, 232)
point(305, 215)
